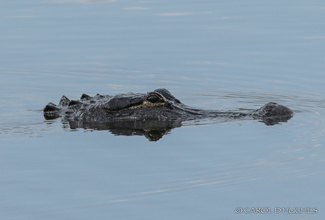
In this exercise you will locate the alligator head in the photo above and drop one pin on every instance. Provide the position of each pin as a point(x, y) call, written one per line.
point(147, 112)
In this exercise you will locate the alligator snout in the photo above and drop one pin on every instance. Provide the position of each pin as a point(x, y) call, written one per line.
point(273, 109)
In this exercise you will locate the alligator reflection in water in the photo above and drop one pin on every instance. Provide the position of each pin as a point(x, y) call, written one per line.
point(151, 114)
point(152, 130)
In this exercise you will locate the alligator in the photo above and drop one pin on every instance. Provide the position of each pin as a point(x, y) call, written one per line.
point(152, 114)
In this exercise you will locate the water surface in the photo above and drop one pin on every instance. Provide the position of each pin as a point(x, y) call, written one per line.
point(213, 55)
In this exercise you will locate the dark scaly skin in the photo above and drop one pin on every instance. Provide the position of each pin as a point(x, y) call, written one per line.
point(157, 110)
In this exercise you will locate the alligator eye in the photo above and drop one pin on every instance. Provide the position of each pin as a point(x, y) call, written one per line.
point(154, 99)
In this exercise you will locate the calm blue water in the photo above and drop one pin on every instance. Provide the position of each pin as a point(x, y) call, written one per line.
point(209, 54)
